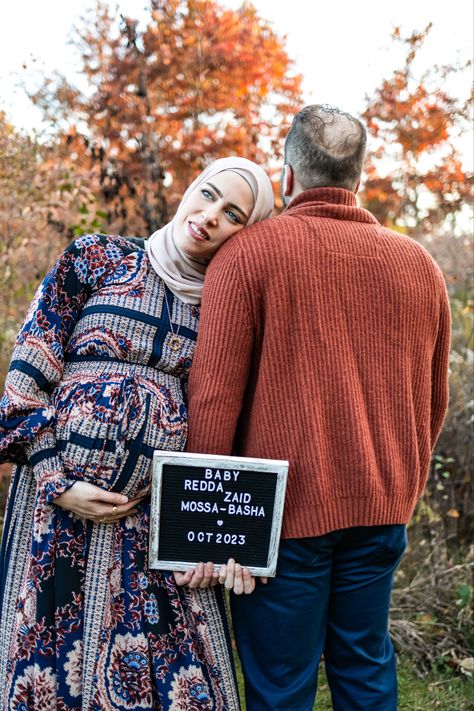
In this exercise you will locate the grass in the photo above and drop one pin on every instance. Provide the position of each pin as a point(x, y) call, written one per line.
point(444, 691)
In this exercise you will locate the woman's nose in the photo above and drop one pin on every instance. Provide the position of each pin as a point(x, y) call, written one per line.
point(210, 215)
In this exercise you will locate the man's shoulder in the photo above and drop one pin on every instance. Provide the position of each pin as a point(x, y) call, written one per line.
point(407, 244)
point(247, 251)
point(265, 232)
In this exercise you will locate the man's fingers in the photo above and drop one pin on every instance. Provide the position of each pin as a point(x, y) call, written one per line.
point(183, 578)
point(248, 581)
point(231, 574)
point(207, 577)
point(197, 576)
point(203, 576)
point(238, 580)
point(229, 581)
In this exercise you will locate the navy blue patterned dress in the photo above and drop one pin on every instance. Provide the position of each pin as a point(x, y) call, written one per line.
point(93, 389)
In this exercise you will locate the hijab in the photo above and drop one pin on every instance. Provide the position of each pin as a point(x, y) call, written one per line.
point(183, 275)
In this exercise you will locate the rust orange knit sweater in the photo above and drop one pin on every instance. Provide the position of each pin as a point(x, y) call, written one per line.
point(324, 340)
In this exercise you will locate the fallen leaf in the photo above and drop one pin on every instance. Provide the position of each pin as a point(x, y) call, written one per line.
point(454, 513)
point(467, 665)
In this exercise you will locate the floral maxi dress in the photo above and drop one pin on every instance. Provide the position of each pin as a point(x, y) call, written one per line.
point(93, 389)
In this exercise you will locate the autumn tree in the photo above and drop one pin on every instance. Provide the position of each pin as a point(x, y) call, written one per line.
point(415, 177)
point(196, 82)
point(42, 202)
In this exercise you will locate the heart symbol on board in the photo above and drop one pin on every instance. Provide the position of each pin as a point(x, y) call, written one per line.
point(220, 522)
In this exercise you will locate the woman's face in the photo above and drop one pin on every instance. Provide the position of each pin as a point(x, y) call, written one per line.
point(213, 212)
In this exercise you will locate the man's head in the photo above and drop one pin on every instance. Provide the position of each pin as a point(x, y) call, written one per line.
point(324, 148)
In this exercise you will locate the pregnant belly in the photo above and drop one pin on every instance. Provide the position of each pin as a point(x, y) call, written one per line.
point(107, 428)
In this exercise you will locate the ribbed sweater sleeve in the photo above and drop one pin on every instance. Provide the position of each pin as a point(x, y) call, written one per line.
point(221, 365)
point(440, 389)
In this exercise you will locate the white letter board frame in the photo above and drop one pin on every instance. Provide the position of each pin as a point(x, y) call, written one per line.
point(216, 462)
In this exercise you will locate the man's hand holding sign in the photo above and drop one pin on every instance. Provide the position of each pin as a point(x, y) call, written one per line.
point(227, 511)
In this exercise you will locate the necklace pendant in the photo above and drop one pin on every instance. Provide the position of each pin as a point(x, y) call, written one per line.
point(175, 343)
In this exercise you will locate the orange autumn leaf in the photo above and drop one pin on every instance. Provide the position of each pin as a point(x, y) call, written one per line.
point(453, 513)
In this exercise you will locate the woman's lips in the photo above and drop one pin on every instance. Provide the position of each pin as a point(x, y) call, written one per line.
point(197, 231)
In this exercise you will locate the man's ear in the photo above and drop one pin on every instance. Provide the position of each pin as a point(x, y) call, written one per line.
point(288, 181)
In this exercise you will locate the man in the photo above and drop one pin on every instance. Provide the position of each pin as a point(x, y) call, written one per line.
point(324, 340)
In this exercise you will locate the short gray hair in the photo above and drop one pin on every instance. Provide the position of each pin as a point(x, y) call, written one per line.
point(326, 148)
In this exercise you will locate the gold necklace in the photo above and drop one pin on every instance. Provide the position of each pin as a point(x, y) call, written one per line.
point(176, 341)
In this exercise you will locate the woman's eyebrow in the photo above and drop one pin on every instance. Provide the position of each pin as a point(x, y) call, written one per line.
point(231, 204)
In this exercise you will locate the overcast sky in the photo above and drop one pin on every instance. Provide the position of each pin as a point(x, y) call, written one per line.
point(343, 49)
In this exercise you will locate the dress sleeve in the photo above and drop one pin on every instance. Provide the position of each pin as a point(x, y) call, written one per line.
point(27, 415)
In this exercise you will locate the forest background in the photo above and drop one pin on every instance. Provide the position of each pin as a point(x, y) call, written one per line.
point(162, 95)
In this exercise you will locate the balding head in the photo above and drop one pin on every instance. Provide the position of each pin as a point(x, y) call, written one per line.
point(325, 148)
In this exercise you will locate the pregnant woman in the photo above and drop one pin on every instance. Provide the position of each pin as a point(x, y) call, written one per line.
point(97, 382)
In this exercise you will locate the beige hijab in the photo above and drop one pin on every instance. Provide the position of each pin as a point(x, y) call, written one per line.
point(185, 276)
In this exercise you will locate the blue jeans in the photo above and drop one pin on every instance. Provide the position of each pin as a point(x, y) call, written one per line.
point(331, 595)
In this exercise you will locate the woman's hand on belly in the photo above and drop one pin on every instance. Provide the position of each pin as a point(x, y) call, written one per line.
point(95, 504)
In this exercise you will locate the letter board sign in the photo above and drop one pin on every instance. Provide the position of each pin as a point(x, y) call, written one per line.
point(207, 507)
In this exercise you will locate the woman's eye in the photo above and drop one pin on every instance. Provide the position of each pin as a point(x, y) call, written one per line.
point(207, 194)
point(233, 216)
